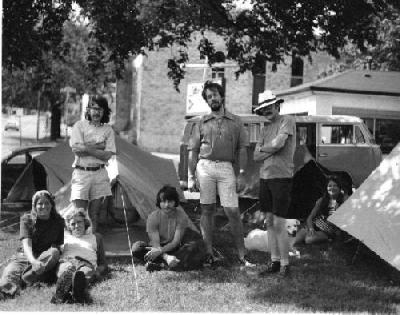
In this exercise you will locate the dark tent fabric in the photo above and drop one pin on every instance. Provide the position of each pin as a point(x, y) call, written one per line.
point(309, 184)
point(139, 173)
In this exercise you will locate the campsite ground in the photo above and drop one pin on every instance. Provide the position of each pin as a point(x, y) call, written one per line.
point(324, 279)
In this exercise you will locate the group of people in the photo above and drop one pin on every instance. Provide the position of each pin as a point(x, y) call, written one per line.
point(55, 249)
point(217, 164)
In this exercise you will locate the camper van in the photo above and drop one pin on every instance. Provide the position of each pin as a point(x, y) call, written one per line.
point(341, 144)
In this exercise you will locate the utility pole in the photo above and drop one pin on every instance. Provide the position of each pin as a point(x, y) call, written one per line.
point(38, 115)
point(138, 64)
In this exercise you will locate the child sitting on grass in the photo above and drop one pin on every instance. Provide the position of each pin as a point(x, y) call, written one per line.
point(41, 235)
point(318, 229)
point(173, 244)
point(82, 260)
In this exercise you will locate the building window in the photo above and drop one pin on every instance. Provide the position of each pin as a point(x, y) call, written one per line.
point(385, 131)
point(387, 134)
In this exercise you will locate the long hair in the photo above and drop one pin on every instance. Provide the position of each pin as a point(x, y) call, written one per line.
point(326, 197)
point(212, 86)
point(44, 194)
point(80, 212)
point(103, 103)
point(167, 193)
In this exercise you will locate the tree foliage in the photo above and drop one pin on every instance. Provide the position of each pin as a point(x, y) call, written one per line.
point(30, 29)
point(270, 30)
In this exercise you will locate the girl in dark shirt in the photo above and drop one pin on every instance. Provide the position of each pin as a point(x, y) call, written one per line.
point(318, 229)
point(41, 234)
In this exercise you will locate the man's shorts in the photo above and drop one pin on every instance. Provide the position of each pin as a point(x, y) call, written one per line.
point(275, 195)
point(213, 175)
point(90, 185)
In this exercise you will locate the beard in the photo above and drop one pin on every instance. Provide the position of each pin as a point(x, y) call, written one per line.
point(216, 106)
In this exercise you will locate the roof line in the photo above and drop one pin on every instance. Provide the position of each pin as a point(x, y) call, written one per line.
point(320, 88)
point(338, 90)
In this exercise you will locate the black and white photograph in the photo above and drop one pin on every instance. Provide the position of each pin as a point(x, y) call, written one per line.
point(200, 156)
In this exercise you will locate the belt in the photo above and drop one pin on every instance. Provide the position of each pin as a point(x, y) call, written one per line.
point(89, 168)
point(218, 161)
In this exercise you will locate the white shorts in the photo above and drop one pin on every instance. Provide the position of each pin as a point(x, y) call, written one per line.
point(90, 185)
point(213, 176)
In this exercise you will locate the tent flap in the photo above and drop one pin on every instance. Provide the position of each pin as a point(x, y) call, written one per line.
point(372, 213)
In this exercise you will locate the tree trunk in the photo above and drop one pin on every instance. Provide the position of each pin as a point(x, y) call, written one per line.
point(55, 127)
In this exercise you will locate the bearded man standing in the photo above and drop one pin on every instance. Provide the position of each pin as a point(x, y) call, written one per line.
point(216, 144)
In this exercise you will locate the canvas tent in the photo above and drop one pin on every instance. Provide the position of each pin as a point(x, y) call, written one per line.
point(135, 173)
point(372, 213)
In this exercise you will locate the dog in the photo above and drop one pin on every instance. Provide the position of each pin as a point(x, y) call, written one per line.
point(257, 239)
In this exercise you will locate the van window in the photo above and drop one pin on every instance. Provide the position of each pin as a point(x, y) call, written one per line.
point(336, 134)
point(253, 131)
point(306, 135)
point(359, 135)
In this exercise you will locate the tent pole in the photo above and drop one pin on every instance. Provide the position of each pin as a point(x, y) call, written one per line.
point(130, 245)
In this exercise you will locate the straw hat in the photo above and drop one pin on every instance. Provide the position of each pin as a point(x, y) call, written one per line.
point(266, 99)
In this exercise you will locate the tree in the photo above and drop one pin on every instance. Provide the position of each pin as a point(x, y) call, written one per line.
point(64, 54)
point(272, 28)
point(385, 54)
point(31, 28)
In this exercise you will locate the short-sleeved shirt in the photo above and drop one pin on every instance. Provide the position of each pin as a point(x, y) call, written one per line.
point(279, 164)
point(85, 247)
point(166, 224)
point(44, 233)
point(219, 138)
point(84, 132)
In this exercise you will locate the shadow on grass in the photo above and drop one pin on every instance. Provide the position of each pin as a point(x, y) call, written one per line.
point(319, 282)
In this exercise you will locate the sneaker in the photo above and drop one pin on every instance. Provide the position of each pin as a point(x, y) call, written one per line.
point(79, 286)
point(151, 266)
point(284, 271)
point(211, 261)
point(63, 288)
point(244, 262)
point(273, 267)
point(172, 261)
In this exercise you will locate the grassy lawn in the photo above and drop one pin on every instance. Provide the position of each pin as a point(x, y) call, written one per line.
point(324, 279)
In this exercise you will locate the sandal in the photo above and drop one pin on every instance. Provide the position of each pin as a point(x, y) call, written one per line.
point(211, 261)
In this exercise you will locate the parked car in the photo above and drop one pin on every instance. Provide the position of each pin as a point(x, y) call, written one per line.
point(341, 144)
point(12, 123)
point(13, 166)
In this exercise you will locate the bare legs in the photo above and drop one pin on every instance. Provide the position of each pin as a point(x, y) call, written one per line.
point(207, 227)
point(278, 238)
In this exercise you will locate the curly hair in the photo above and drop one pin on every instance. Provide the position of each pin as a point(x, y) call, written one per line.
point(169, 193)
point(212, 86)
point(80, 212)
point(103, 103)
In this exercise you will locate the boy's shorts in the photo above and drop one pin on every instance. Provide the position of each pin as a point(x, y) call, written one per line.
point(90, 185)
point(213, 175)
point(275, 195)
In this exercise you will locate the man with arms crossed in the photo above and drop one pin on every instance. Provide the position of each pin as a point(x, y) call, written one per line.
point(276, 149)
point(214, 147)
point(93, 143)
